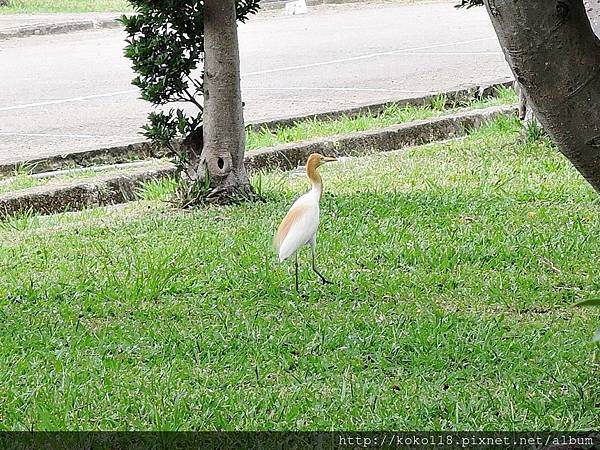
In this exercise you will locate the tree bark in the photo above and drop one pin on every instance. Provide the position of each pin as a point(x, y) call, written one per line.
point(555, 56)
point(221, 163)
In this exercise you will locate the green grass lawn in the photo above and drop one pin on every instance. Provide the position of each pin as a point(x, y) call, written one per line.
point(64, 6)
point(455, 269)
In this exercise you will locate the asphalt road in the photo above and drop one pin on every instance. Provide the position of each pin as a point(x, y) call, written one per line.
point(66, 93)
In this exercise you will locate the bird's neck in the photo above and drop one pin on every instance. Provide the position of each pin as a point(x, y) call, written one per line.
point(315, 179)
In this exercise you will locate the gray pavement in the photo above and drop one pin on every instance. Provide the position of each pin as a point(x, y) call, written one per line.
point(72, 92)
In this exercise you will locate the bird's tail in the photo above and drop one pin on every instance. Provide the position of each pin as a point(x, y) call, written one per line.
point(277, 246)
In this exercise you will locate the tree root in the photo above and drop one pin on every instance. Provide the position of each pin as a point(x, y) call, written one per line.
point(190, 194)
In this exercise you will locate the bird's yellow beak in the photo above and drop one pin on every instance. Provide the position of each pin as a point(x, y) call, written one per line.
point(329, 159)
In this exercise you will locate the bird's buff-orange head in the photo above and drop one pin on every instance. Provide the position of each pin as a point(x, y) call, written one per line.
point(315, 160)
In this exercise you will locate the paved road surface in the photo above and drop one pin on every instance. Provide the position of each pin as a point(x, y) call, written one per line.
point(72, 92)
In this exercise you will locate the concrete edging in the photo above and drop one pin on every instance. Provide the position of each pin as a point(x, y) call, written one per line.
point(474, 92)
point(396, 137)
point(145, 150)
point(114, 189)
point(76, 196)
point(58, 28)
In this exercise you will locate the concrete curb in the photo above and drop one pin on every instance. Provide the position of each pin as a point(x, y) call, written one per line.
point(144, 150)
point(99, 191)
point(409, 134)
point(58, 28)
point(453, 96)
point(114, 189)
point(87, 158)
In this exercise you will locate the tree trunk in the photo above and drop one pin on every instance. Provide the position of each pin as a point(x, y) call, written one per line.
point(221, 164)
point(555, 57)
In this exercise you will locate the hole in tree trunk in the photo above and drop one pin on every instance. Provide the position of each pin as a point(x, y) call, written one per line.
point(562, 10)
point(220, 163)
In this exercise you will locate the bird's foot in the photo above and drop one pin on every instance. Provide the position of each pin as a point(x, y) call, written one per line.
point(326, 281)
point(323, 279)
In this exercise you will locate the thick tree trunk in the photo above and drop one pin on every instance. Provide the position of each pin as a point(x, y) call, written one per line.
point(222, 160)
point(555, 57)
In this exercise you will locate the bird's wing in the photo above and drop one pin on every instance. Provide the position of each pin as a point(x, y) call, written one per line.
point(297, 228)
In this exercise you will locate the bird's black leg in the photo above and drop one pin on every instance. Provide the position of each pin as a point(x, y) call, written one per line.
point(297, 290)
point(314, 267)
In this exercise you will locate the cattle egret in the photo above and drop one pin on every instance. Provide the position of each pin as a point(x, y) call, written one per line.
point(299, 226)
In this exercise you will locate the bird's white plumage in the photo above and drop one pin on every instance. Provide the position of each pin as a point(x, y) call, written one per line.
point(299, 226)
point(303, 229)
